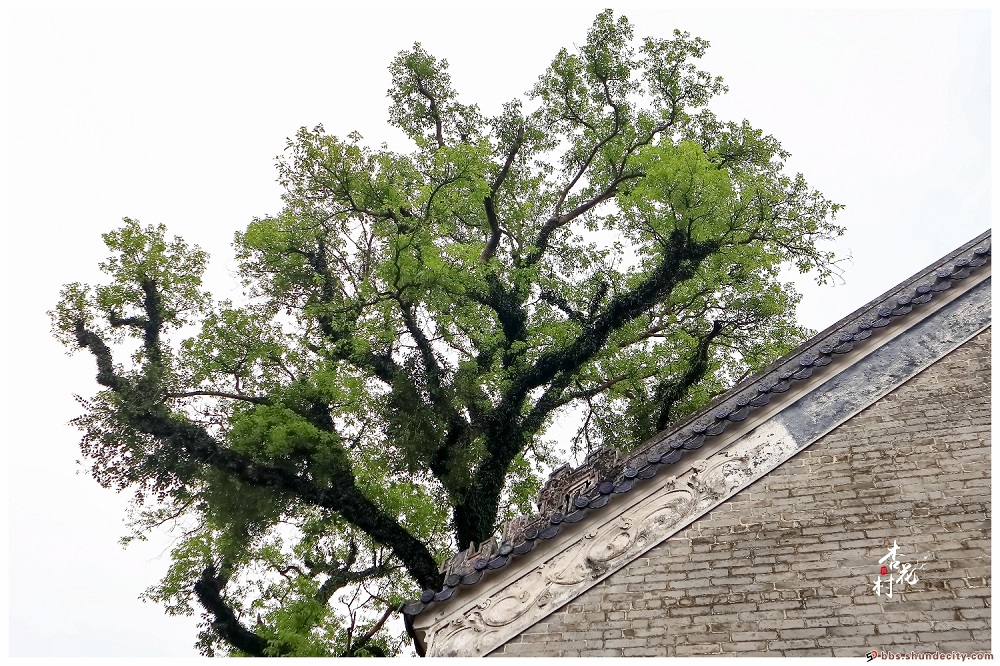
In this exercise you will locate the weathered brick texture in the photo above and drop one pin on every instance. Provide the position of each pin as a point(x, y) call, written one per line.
point(786, 566)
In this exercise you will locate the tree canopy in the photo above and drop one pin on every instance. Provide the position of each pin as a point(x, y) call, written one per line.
point(603, 251)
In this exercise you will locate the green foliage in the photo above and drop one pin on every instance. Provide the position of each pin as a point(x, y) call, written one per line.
point(419, 328)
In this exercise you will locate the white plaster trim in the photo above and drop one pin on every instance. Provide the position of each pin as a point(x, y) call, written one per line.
point(495, 618)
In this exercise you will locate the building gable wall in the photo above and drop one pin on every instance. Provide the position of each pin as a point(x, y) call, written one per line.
point(786, 565)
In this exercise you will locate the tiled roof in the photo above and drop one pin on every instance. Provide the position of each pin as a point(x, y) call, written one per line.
point(603, 475)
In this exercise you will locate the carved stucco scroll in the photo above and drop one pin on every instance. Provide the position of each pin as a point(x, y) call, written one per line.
point(476, 629)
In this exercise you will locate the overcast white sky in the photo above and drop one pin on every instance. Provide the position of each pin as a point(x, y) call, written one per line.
point(174, 113)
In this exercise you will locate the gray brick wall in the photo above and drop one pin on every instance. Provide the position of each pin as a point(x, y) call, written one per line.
point(786, 566)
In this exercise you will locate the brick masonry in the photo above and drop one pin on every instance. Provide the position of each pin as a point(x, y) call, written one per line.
point(785, 567)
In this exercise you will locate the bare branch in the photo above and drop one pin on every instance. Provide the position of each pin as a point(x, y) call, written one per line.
point(435, 112)
point(363, 640)
point(597, 389)
point(553, 223)
point(255, 399)
point(502, 176)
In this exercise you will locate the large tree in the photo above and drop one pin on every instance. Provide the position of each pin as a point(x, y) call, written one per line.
point(606, 251)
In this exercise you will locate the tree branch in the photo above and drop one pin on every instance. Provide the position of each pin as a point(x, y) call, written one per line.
point(381, 365)
point(680, 260)
point(257, 400)
point(593, 152)
point(597, 389)
point(152, 303)
point(343, 577)
point(508, 308)
point(361, 642)
point(493, 242)
point(435, 113)
point(458, 428)
point(502, 176)
point(490, 250)
point(506, 430)
point(106, 375)
point(556, 221)
point(560, 302)
point(208, 589)
point(196, 443)
point(135, 322)
point(669, 392)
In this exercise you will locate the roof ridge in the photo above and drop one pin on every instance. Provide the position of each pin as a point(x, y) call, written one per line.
point(830, 334)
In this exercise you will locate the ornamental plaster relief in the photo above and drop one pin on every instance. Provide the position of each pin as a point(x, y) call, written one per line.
point(597, 552)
